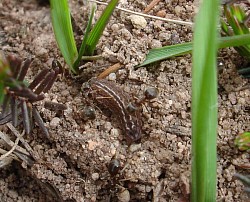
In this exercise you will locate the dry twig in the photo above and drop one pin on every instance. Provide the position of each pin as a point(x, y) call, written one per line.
point(25, 144)
point(12, 149)
point(151, 5)
point(109, 70)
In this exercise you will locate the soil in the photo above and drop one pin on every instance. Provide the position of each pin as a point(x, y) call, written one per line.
point(74, 160)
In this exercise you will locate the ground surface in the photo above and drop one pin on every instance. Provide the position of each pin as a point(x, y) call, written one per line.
point(78, 152)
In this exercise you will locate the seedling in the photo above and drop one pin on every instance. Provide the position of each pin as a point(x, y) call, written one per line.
point(242, 141)
point(238, 21)
point(61, 21)
point(18, 97)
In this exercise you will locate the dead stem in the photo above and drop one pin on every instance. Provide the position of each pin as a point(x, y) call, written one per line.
point(109, 70)
point(25, 144)
point(151, 5)
point(7, 140)
point(13, 156)
point(12, 149)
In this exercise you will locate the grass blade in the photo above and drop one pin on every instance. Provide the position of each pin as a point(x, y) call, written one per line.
point(62, 26)
point(158, 54)
point(82, 50)
point(2, 93)
point(5, 72)
point(97, 30)
point(166, 52)
point(204, 103)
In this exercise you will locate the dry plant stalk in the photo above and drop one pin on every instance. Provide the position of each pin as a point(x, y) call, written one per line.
point(109, 70)
point(151, 5)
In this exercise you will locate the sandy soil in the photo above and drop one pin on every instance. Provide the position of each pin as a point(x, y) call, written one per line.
point(75, 159)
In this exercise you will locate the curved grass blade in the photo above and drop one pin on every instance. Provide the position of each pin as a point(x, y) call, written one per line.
point(82, 50)
point(204, 103)
point(62, 26)
point(97, 30)
point(166, 52)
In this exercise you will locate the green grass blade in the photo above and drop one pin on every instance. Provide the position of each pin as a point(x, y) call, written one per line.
point(97, 30)
point(62, 26)
point(2, 93)
point(204, 103)
point(166, 52)
point(5, 74)
point(234, 41)
point(82, 50)
point(158, 54)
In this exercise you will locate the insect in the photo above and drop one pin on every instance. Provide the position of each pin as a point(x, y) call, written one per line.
point(109, 96)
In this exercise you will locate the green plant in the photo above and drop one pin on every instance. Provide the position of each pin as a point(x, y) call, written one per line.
point(242, 141)
point(204, 103)
point(237, 25)
point(5, 73)
point(237, 21)
point(62, 26)
point(166, 52)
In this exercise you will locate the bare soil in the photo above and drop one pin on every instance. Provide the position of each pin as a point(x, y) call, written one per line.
point(75, 158)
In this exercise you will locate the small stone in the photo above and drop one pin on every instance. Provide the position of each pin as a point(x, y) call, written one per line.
point(107, 127)
point(115, 27)
point(232, 98)
point(41, 52)
point(95, 176)
point(92, 145)
point(124, 196)
point(138, 22)
point(178, 10)
point(161, 14)
point(65, 93)
point(148, 188)
point(134, 147)
point(54, 122)
point(164, 36)
point(112, 77)
point(114, 132)
point(155, 44)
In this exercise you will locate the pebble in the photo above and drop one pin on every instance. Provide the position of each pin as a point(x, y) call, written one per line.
point(155, 44)
point(134, 147)
point(232, 98)
point(115, 27)
point(95, 176)
point(161, 13)
point(54, 122)
point(92, 145)
point(179, 9)
point(65, 93)
point(107, 127)
point(112, 77)
point(124, 196)
point(114, 132)
point(138, 22)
